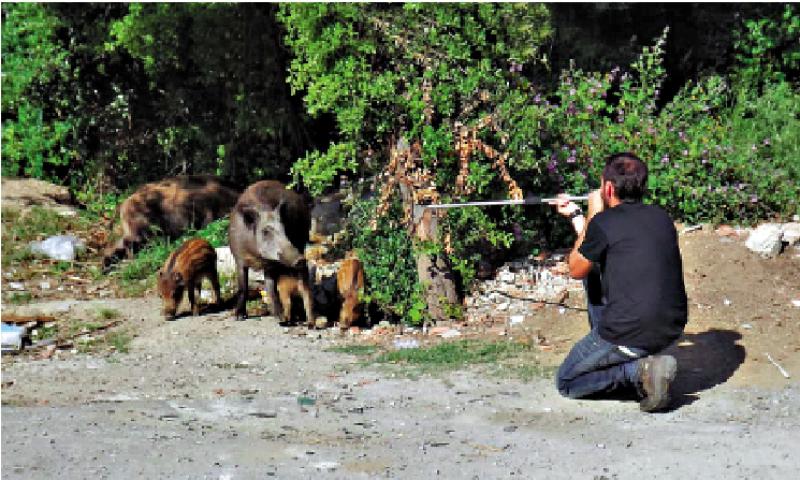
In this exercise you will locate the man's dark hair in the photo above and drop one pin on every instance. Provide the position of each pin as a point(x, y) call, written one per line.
point(628, 174)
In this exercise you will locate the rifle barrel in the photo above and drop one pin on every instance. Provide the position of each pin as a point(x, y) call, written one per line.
point(526, 201)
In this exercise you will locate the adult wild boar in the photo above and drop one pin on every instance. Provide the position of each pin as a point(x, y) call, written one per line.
point(172, 205)
point(269, 230)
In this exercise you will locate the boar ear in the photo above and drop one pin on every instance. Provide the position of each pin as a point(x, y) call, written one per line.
point(178, 278)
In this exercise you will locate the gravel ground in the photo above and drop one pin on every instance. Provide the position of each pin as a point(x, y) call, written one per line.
point(209, 397)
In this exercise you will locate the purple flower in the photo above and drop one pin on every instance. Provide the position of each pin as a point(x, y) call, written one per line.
point(665, 159)
point(571, 109)
point(589, 108)
point(766, 141)
point(572, 91)
point(682, 135)
point(571, 159)
point(592, 91)
point(685, 153)
point(537, 98)
point(753, 198)
point(704, 161)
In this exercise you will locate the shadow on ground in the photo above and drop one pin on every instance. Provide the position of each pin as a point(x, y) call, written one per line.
point(705, 359)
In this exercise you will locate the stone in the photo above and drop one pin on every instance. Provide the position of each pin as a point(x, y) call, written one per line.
point(765, 240)
point(506, 277)
point(226, 266)
point(791, 233)
point(321, 322)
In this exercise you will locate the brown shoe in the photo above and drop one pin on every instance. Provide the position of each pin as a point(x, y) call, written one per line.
point(656, 373)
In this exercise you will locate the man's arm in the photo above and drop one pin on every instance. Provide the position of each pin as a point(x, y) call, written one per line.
point(579, 266)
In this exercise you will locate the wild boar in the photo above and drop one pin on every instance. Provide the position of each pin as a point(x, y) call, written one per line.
point(350, 283)
point(170, 206)
point(269, 230)
point(184, 270)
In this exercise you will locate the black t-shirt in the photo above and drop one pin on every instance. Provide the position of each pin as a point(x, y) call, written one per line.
point(636, 246)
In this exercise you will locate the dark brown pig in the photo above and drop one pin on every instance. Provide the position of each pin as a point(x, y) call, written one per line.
point(170, 206)
point(350, 283)
point(269, 230)
point(184, 270)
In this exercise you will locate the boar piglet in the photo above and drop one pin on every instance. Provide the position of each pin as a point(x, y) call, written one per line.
point(269, 231)
point(171, 206)
point(350, 283)
point(184, 270)
point(289, 286)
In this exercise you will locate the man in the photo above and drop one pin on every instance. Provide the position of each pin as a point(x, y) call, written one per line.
point(643, 306)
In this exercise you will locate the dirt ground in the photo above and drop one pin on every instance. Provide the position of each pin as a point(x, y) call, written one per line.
point(209, 397)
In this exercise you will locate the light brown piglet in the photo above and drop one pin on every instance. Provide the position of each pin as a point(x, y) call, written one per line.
point(350, 283)
point(184, 270)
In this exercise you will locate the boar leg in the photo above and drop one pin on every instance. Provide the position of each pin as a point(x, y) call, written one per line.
point(190, 291)
point(241, 301)
point(214, 277)
point(271, 287)
point(308, 303)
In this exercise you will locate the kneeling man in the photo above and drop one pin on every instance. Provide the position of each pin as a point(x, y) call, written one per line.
point(640, 309)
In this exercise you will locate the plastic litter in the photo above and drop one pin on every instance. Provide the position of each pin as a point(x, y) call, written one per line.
point(404, 343)
point(451, 333)
point(12, 337)
point(60, 247)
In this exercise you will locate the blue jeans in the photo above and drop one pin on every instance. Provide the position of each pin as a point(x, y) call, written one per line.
point(595, 365)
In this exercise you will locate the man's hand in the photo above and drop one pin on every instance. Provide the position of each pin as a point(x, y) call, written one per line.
point(596, 204)
point(565, 206)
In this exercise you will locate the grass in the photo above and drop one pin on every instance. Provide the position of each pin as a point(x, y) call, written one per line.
point(453, 354)
point(44, 332)
point(501, 358)
point(107, 313)
point(20, 298)
point(119, 341)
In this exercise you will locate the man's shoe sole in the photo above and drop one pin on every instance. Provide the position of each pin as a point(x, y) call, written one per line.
point(664, 369)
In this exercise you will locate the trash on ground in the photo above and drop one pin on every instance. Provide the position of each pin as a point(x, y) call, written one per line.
point(515, 319)
point(796, 303)
point(59, 247)
point(304, 401)
point(781, 369)
point(452, 333)
point(12, 337)
point(404, 343)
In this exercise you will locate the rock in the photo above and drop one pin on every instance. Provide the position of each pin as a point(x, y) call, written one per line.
point(515, 319)
point(27, 192)
point(326, 216)
point(765, 240)
point(321, 322)
point(226, 266)
point(791, 233)
point(506, 277)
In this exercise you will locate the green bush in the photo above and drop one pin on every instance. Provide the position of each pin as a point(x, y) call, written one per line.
point(389, 261)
